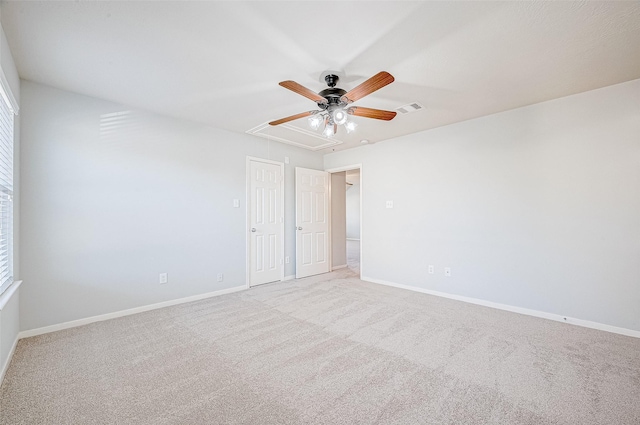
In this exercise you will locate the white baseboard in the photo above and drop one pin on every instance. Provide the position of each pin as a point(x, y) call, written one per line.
point(513, 309)
point(338, 267)
point(7, 362)
point(116, 314)
point(290, 277)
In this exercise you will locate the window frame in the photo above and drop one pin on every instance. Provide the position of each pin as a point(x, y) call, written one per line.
point(9, 104)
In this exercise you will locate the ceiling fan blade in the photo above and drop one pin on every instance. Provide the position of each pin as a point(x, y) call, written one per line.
point(302, 90)
point(292, 117)
point(374, 83)
point(378, 114)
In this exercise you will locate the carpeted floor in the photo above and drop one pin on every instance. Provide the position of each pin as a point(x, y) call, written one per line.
point(329, 349)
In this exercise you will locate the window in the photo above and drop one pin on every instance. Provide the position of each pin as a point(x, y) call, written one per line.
point(8, 107)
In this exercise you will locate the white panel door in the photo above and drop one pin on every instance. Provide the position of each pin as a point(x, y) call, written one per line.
point(312, 222)
point(266, 223)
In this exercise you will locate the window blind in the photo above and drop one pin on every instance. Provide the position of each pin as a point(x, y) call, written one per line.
point(6, 192)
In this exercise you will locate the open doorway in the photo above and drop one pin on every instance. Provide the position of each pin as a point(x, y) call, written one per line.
point(345, 219)
point(352, 186)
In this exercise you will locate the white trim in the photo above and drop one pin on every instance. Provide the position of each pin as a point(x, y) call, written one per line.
point(289, 277)
point(344, 168)
point(330, 220)
point(6, 295)
point(248, 217)
point(121, 313)
point(338, 267)
point(7, 362)
point(353, 239)
point(513, 309)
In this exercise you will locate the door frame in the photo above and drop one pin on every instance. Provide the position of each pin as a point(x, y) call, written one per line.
point(338, 170)
point(248, 217)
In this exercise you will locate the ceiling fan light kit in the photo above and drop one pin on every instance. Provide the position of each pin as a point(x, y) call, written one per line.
point(350, 126)
point(334, 104)
point(339, 116)
point(315, 121)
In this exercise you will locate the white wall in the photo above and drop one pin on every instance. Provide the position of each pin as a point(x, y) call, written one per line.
point(537, 207)
point(353, 207)
point(338, 220)
point(106, 207)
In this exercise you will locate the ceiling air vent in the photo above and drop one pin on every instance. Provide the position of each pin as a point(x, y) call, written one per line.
point(411, 107)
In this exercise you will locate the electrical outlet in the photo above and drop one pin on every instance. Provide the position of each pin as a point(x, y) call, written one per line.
point(447, 271)
point(432, 269)
point(286, 259)
point(220, 277)
point(389, 204)
point(286, 159)
point(164, 278)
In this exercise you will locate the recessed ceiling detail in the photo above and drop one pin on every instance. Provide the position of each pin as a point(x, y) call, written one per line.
point(296, 136)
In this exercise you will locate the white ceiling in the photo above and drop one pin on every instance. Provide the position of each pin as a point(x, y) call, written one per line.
point(220, 62)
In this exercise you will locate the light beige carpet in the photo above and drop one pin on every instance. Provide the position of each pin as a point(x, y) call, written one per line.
point(319, 351)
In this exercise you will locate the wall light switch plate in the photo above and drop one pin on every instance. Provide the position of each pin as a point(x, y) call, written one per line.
point(236, 203)
point(220, 277)
point(164, 278)
point(389, 204)
point(286, 159)
point(286, 259)
point(432, 269)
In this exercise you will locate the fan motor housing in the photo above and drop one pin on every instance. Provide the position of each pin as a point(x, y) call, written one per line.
point(333, 95)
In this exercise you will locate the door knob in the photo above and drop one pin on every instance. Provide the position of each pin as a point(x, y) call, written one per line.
point(299, 228)
point(253, 229)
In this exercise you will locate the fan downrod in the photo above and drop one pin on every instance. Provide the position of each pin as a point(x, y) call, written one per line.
point(331, 80)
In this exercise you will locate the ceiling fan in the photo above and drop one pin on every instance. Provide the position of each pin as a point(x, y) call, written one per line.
point(334, 103)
